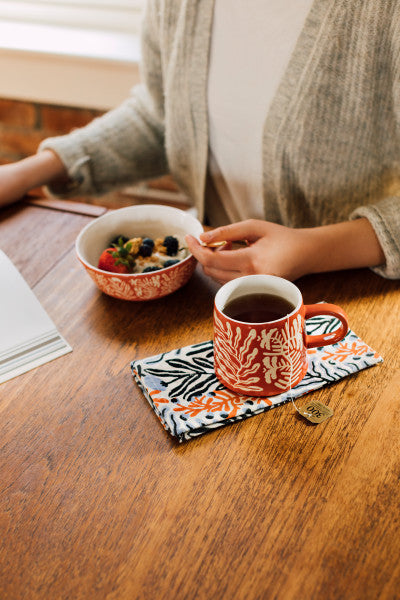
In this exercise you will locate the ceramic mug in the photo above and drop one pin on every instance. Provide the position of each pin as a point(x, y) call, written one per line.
point(267, 358)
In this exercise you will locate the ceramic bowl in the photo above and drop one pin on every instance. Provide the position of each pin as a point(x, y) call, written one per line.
point(143, 220)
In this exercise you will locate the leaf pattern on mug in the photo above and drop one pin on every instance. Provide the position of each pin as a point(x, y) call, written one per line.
point(283, 353)
point(237, 362)
point(280, 352)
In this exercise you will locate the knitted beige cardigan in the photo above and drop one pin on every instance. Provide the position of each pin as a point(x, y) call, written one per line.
point(331, 145)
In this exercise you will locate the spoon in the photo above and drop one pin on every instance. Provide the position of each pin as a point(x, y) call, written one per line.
point(223, 243)
point(213, 244)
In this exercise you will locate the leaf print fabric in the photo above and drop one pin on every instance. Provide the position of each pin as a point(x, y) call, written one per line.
point(189, 400)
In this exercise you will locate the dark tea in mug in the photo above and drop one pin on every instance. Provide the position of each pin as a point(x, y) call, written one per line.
point(258, 308)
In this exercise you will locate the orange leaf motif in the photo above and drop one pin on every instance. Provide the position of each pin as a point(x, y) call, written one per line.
point(222, 401)
point(344, 351)
point(158, 401)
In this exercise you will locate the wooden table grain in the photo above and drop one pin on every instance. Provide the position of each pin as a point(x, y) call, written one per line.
point(97, 501)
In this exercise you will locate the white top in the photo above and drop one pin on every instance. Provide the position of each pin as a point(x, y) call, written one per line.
point(251, 44)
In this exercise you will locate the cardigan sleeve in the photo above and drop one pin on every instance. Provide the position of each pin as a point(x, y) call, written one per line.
point(384, 217)
point(127, 143)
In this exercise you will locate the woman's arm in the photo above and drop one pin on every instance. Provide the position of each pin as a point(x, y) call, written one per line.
point(16, 179)
point(126, 144)
point(287, 252)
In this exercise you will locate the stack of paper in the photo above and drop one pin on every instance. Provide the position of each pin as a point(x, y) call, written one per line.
point(28, 337)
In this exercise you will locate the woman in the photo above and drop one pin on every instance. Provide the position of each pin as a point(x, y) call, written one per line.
point(283, 121)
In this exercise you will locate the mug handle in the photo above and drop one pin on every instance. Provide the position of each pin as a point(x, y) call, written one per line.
point(323, 308)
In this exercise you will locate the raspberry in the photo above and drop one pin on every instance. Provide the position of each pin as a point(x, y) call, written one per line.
point(171, 244)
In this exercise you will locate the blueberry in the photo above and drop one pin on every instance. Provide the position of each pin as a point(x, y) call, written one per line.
point(171, 244)
point(148, 242)
point(145, 250)
point(170, 262)
point(150, 269)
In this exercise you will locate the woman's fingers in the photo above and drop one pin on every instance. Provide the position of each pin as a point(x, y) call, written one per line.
point(198, 250)
point(221, 260)
point(249, 230)
point(221, 271)
point(272, 248)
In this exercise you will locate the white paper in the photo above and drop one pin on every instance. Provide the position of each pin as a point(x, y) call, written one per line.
point(28, 337)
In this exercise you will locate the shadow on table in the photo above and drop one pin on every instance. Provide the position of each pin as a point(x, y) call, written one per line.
point(182, 318)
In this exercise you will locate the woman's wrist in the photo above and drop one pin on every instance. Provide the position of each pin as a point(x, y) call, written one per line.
point(20, 177)
point(346, 245)
point(40, 169)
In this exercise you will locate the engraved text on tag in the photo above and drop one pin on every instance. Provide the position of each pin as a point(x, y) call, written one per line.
point(315, 411)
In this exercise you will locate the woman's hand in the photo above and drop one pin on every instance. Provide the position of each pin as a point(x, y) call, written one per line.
point(271, 248)
point(289, 253)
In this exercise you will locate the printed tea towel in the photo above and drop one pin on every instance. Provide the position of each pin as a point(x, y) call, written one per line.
point(189, 400)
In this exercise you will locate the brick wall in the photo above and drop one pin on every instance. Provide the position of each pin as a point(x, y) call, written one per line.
point(23, 125)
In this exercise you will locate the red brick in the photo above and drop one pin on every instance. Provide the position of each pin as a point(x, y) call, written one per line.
point(16, 113)
point(59, 120)
point(19, 143)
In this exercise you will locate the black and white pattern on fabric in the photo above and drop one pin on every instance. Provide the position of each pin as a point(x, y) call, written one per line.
point(184, 392)
point(189, 373)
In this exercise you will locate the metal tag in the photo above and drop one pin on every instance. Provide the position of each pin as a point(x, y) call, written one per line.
point(315, 411)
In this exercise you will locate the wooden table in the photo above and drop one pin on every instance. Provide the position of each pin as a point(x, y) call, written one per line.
point(98, 501)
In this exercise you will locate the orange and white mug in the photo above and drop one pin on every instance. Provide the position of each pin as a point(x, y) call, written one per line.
point(267, 358)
